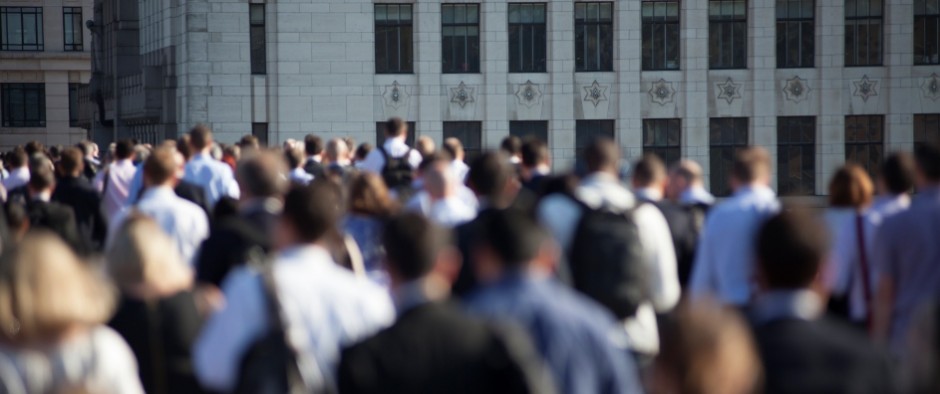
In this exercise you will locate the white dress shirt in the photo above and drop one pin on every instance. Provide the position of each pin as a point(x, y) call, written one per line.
point(396, 147)
point(18, 177)
point(326, 309)
point(724, 262)
point(299, 176)
point(183, 221)
point(117, 187)
point(561, 216)
point(449, 212)
point(214, 176)
point(460, 170)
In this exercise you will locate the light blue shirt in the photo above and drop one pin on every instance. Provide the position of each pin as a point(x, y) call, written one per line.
point(214, 176)
point(326, 309)
point(184, 222)
point(724, 264)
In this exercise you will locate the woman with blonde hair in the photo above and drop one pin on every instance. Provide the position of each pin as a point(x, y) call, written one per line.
point(158, 314)
point(370, 205)
point(52, 311)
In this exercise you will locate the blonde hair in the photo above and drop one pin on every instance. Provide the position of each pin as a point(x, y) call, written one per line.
point(46, 291)
point(144, 257)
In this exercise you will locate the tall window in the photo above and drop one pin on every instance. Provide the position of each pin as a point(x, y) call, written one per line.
point(74, 107)
point(727, 34)
point(926, 32)
point(393, 35)
point(926, 129)
point(527, 38)
point(470, 135)
point(796, 33)
point(586, 131)
point(663, 137)
point(864, 141)
point(594, 36)
point(529, 129)
point(725, 137)
point(21, 29)
point(260, 131)
point(72, 28)
point(380, 134)
point(23, 104)
point(460, 41)
point(796, 155)
point(863, 31)
point(259, 44)
point(660, 34)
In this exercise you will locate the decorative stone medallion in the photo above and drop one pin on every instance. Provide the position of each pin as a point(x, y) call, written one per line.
point(528, 94)
point(461, 95)
point(728, 90)
point(595, 93)
point(796, 89)
point(395, 95)
point(865, 88)
point(931, 87)
point(662, 92)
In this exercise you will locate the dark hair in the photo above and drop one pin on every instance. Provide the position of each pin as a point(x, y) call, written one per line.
point(123, 149)
point(249, 141)
point(534, 152)
point(293, 157)
point(160, 166)
point(602, 153)
point(648, 170)
point(182, 146)
point(750, 164)
point(363, 151)
point(512, 145)
point(512, 235)
point(395, 127)
point(313, 210)
point(791, 247)
point(489, 174)
point(452, 147)
point(897, 173)
point(259, 175)
point(851, 187)
point(84, 147)
point(412, 244)
point(73, 162)
point(313, 145)
point(368, 195)
point(928, 161)
point(34, 147)
point(41, 176)
point(18, 158)
point(200, 136)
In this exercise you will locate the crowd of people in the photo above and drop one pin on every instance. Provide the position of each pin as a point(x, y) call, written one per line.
point(321, 266)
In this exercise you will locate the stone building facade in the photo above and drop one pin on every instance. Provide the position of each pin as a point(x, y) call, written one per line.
point(198, 61)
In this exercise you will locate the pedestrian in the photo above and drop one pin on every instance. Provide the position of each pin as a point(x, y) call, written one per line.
point(215, 177)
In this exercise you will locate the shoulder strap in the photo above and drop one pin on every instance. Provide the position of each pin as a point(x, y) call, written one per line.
point(384, 154)
point(157, 354)
point(863, 265)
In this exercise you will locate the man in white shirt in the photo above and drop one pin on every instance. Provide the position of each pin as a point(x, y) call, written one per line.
point(561, 215)
point(454, 149)
point(215, 177)
point(295, 164)
point(441, 201)
point(116, 179)
point(396, 133)
point(19, 170)
point(325, 306)
point(186, 223)
point(724, 262)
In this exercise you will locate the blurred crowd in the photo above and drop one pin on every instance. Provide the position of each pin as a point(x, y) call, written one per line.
point(318, 266)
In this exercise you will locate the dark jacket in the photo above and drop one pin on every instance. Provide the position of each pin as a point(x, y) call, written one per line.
point(57, 218)
point(193, 193)
point(314, 168)
point(685, 226)
point(91, 169)
point(81, 196)
point(434, 348)
point(232, 239)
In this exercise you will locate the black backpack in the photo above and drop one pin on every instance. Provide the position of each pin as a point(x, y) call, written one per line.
point(397, 172)
point(606, 260)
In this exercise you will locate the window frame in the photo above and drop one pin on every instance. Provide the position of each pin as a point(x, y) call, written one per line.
point(852, 22)
point(472, 61)
point(530, 128)
point(735, 22)
point(8, 110)
point(22, 46)
point(77, 34)
point(668, 150)
point(471, 150)
point(721, 151)
point(535, 30)
point(648, 47)
point(74, 106)
point(922, 134)
point(854, 147)
point(402, 30)
point(921, 13)
point(257, 31)
point(604, 43)
point(805, 148)
point(784, 45)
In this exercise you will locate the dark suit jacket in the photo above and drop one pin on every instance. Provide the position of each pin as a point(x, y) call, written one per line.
point(230, 243)
point(685, 226)
point(314, 168)
point(91, 169)
point(820, 356)
point(81, 196)
point(466, 235)
point(194, 193)
point(57, 218)
point(434, 348)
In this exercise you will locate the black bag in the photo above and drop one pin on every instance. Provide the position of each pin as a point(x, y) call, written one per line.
point(606, 260)
point(397, 171)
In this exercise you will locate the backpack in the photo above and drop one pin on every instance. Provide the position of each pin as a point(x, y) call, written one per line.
point(606, 260)
point(398, 173)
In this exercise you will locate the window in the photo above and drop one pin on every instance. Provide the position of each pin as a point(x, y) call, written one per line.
point(259, 44)
point(72, 28)
point(594, 36)
point(21, 29)
point(393, 29)
point(260, 131)
point(796, 155)
point(864, 141)
point(23, 104)
point(380, 134)
point(863, 30)
point(660, 34)
point(460, 41)
point(74, 107)
point(926, 129)
point(527, 38)
point(727, 34)
point(726, 136)
point(663, 137)
point(796, 37)
point(470, 135)
point(529, 129)
point(926, 32)
point(586, 131)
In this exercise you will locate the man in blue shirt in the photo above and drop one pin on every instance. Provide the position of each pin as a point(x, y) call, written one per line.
point(215, 177)
point(579, 340)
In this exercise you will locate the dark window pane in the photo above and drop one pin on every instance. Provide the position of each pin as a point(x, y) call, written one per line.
point(926, 42)
point(727, 34)
point(260, 131)
point(863, 33)
point(926, 129)
point(393, 39)
point(660, 34)
point(470, 135)
point(795, 33)
point(527, 37)
point(23, 104)
point(21, 29)
point(663, 137)
point(594, 42)
point(529, 129)
point(864, 141)
point(72, 25)
point(259, 44)
point(726, 137)
point(796, 155)
point(586, 131)
point(74, 106)
point(460, 41)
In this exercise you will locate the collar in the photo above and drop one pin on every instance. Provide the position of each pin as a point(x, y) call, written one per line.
point(202, 156)
point(45, 196)
point(801, 304)
point(305, 253)
point(162, 191)
point(397, 141)
point(20, 171)
point(648, 194)
point(268, 204)
point(760, 190)
point(696, 195)
point(600, 178)
point(419, 292)
point(316, 158)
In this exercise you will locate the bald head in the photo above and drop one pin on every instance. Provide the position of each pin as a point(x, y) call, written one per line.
point(439, 180)
point(337, 150)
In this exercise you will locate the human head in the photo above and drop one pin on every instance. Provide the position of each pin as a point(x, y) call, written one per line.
point(161, 168)
point(850, 187)
point(49, 292)
point(337, 151)
point(369, 196)
point(602, 155)
point(791, 247)
point(313, 145)
point(396, 128)
point(454, 148)
point(512, 146)
point(897, 174)
point(649, 172)
point(310, 213)
point(706, 349)
point(41, 175)
point(535, 153)
point(124, 150)
point(683, 175)
point(294, 158)
point(363, 151)
point(425, 146)
point(928, 165)
point(34, 147)
point(510, 240)
point(491, 177)
point(144, 258)
point(72, 162)
point(259, 176)
point(18, 158)
point(200, 138)
point(751, 166)
point(416, 248)
point(183, 147)
point(249, 142)
point(439, 180)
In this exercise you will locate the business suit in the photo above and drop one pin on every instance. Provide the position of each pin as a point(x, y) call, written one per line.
point(193, 193)
point(232, 239)
point(57, 218)
point(434, 348)
point(81, 196)
point(314, 168)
